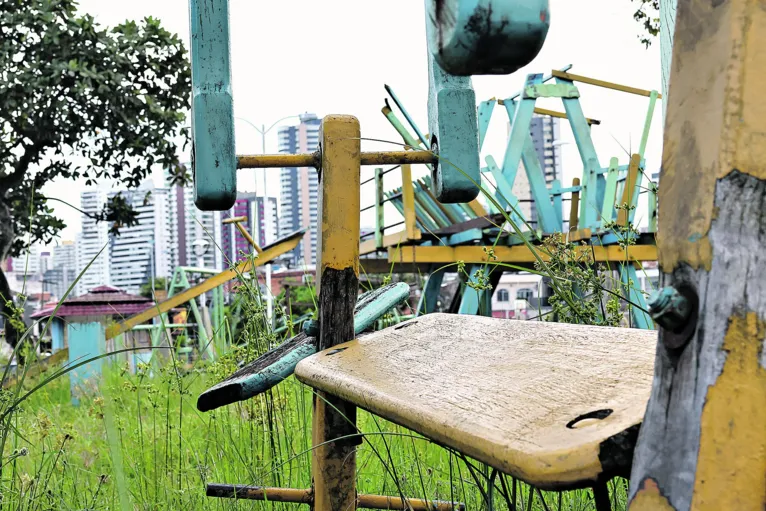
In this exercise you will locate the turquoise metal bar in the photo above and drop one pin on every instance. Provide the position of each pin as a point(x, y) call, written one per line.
point(505, 192)
point(590, 200)
point(648, 122)
point(423, 218)
point(485, 114)
point(522, 113)
point(432, 209)
point(521, 117)
point(461, 238)
point(213, 152)
point(546, 216)
point(279, 363)
point(406, 115)
point(546, 78)
point(453, 127)
point(629, 280)
point(430, 296)
point(555, 193)
point(399, 127)
point(607, 208)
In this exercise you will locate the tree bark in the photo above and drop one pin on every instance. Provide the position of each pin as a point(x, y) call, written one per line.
point(6, 241)
point(702, 445)
point(11, 334)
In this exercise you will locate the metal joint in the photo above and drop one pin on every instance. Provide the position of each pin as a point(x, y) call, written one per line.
point(674, 309)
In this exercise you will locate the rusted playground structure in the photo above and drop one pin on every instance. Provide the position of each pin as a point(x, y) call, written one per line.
point(680, 411)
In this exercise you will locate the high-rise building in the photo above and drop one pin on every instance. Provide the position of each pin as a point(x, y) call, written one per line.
point(265, 208)
point(261, 224)
point(92, 242)
point(63, 271)
point(188, 224)
point(138, 253)
point(545, 135)
point(141, 252)
point(299, 190)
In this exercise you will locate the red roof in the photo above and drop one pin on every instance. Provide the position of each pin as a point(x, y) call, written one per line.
point(99, 301)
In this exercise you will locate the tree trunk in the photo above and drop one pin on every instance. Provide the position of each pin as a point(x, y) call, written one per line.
point(11, 334)
point(6, 241)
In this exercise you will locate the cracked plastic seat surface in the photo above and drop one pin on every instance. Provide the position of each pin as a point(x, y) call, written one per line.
point(556, 405)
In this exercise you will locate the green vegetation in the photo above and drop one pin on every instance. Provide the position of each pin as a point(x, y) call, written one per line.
point(141, 444)
point(67, 456)
point(80, 101)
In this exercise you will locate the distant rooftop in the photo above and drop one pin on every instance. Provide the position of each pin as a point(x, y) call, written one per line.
point(99, 301)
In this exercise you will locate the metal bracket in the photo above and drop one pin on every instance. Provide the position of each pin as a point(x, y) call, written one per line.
point(454, 133)
point(214, 162)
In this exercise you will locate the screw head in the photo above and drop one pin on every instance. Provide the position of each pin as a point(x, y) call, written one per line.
point(670, 309)
point(311, 327)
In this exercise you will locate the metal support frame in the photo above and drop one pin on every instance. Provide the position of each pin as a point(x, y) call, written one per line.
point(430, 295)
point(333, 462)
point(637, 303)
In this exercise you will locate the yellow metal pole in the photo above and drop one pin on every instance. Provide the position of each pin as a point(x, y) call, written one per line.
point(237, 221)
point(258, 161)
point(477, 208)
point(562, 115)
point(554, 113)
point(476, 254)
point(627, 192)
point(263, 161)
point(333, 462)
point(301, 496)
point(574, 208)
point(408, 203)
point(702, 444)
point(602, 83)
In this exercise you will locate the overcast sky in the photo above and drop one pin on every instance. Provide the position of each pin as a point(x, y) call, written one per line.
point(334, 56)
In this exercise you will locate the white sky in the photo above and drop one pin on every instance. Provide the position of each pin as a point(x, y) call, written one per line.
point(333, 57)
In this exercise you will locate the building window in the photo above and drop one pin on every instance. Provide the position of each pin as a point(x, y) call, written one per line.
point(502, 295)
point(524, 294)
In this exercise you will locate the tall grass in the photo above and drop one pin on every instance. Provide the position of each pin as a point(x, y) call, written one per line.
point(139, 442)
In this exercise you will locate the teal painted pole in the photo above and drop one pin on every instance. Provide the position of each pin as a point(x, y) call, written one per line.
point(430, 296)
point(485, 114)
point(214, 160)
point(629, 279)
point(593, 183)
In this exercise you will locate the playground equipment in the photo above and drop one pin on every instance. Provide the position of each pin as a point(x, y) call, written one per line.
point(702, 444)
point(265, 256)
point(279, 363)
point(333, 462)
point(438, 234)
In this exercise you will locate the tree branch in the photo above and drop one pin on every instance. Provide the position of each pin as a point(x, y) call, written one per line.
point(17, 176)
